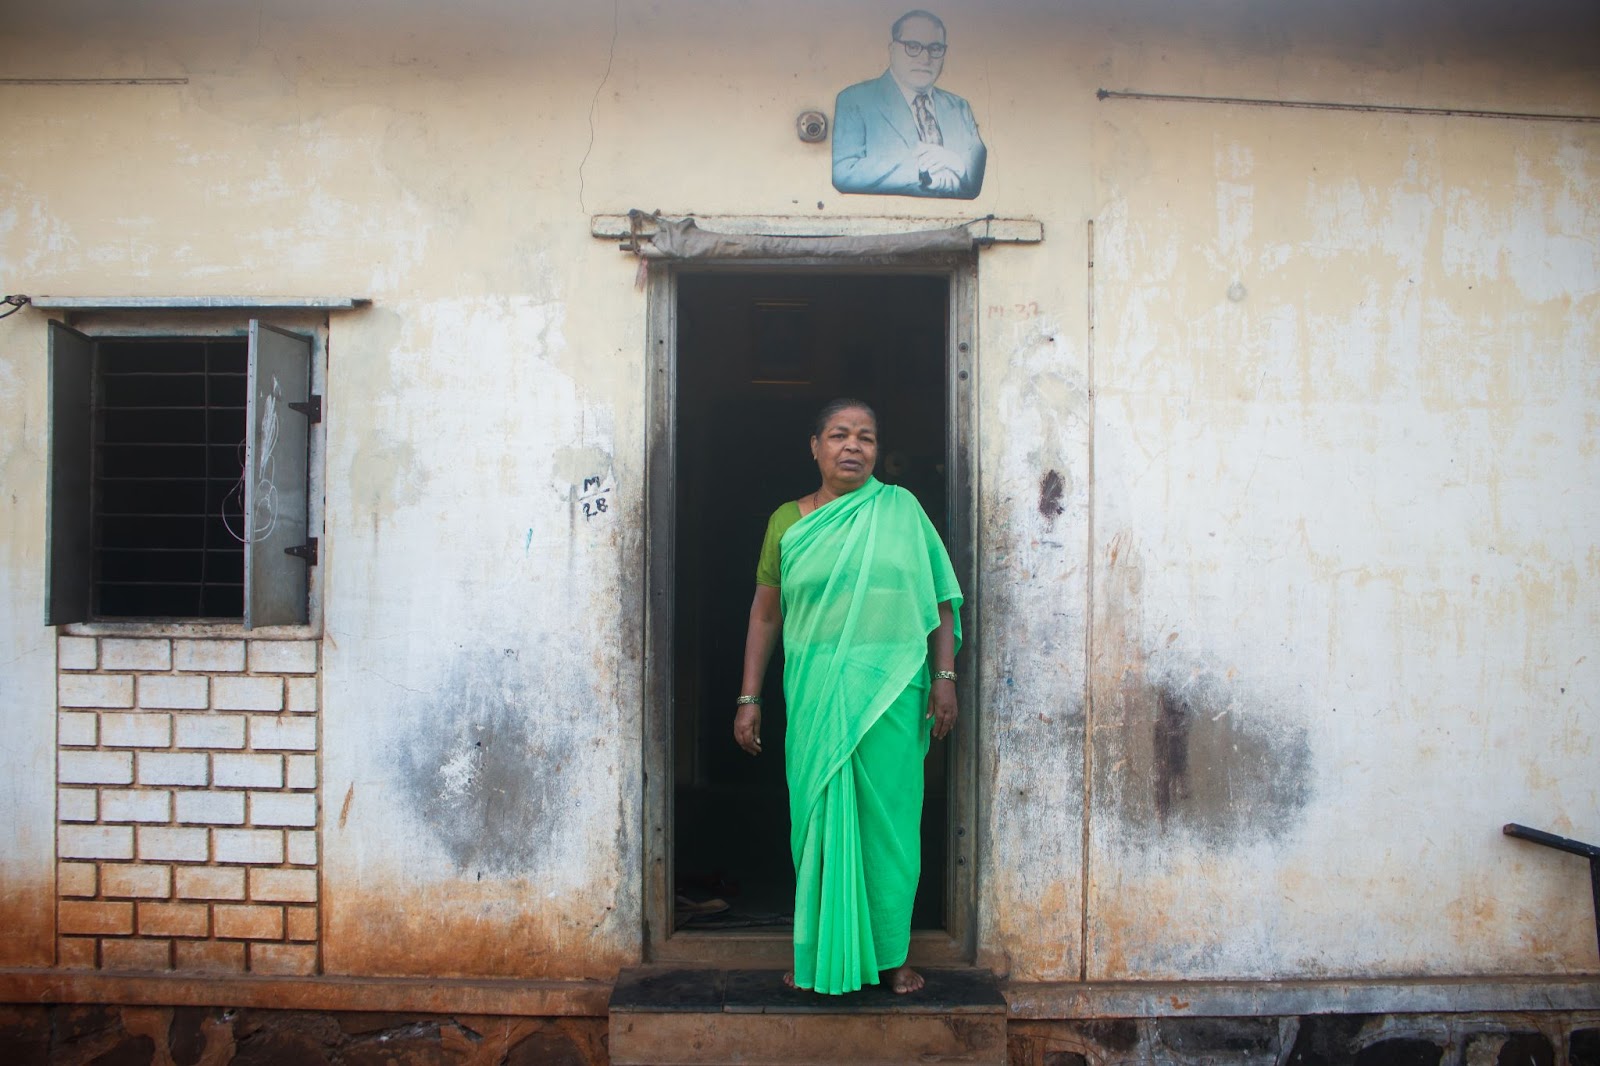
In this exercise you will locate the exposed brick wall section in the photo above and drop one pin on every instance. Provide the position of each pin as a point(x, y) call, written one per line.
point(187, 809)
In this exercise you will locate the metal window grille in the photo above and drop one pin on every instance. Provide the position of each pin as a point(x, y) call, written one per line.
point(168, 458)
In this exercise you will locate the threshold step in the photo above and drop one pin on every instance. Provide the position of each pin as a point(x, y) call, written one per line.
point(678, 1017)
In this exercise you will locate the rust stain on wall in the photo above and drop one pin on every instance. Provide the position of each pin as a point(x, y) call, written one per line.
point(444, 931)
point(27, 922)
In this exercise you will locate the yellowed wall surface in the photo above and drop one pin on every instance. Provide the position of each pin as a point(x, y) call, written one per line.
point(1308, 620)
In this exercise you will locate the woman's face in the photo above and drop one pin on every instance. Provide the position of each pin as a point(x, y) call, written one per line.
point(847, 450)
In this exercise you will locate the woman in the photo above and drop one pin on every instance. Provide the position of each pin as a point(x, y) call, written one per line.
point(858, 583)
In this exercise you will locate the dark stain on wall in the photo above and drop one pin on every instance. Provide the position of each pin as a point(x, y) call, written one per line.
point(1171, 750)
point(1181, 744)
point(1051, 488)
point(1205, 755)
point(1222, 769)
point(484, 769)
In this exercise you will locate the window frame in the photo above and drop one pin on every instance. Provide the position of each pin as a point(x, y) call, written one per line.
point(312, 324)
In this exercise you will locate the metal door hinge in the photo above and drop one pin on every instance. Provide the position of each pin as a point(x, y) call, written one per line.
point(306, 551)
point(312, 408)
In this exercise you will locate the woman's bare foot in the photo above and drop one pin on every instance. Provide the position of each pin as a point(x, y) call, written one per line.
point(902, 979)
point(788, 981)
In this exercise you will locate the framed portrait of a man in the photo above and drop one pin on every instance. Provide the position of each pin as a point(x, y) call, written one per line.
point(899, 134)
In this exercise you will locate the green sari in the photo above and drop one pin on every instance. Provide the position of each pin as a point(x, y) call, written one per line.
point(862, 580)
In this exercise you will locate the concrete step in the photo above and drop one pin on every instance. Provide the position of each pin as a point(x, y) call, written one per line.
point(677, 1017)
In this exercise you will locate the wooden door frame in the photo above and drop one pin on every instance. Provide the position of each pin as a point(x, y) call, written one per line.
point(957, 943)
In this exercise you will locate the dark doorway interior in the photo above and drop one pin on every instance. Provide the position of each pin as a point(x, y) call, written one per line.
point(757, 356)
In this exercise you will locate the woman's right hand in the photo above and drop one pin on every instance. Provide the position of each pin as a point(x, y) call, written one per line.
point(747, 728)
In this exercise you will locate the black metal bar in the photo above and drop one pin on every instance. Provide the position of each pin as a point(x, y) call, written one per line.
point(1550, 840)
point(1572, 847)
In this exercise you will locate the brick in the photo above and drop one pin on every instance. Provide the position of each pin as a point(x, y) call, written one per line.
point(209, 730)
point(247, 771)
point(76, 879)
point(136, 880)
point(300, 771)
point(135, 730)
point(302, 848)
point(77, 653)
point(283, 886)
point(298, 960)
point(136, 954)
point(135, 805)
point(94, 690)
point(95, 767)
point(300, 923)
point(161, 844)
point(211, 808)
point(135, 653)
point(259, 846)
point(283, 808)
point(283, 657)
point(283, 733)
point(245, 921)
point(77, 728)
point(247, 693)
point(76, 952)
point(78, 804)
point(94, 841)
point(302, 694)
point(174, 919)
point(175, 693)
point(86, 916)
point(208, 656)
point(170, 768)
point(210, 882)
point(209, 956)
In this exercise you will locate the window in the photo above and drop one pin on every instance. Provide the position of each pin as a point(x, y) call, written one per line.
point(178, 476)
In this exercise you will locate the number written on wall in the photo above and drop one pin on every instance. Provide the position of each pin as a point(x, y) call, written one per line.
point(595, 498)
point(1027, 310)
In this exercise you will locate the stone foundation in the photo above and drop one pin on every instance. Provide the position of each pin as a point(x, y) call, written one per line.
point(1524, 1039)
point(80, 1035)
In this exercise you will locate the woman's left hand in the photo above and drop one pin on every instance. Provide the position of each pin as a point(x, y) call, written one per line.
point(942, 707)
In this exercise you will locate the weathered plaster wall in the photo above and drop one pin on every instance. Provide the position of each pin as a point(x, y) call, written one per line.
point(1312, 722)
point(1347, 398)
point(27, 665)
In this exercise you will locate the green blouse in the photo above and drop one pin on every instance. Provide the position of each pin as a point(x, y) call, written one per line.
point(767, 569)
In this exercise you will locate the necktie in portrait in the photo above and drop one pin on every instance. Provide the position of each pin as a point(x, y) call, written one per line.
point(927, 124)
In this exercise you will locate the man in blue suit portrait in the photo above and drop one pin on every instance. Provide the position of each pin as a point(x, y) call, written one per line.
point(897, 135)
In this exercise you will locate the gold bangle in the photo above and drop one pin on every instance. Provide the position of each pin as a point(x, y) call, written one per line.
point(742, 700)
point(944, 675)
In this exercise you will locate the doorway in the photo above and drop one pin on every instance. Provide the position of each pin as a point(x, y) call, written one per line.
point(755, 354)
